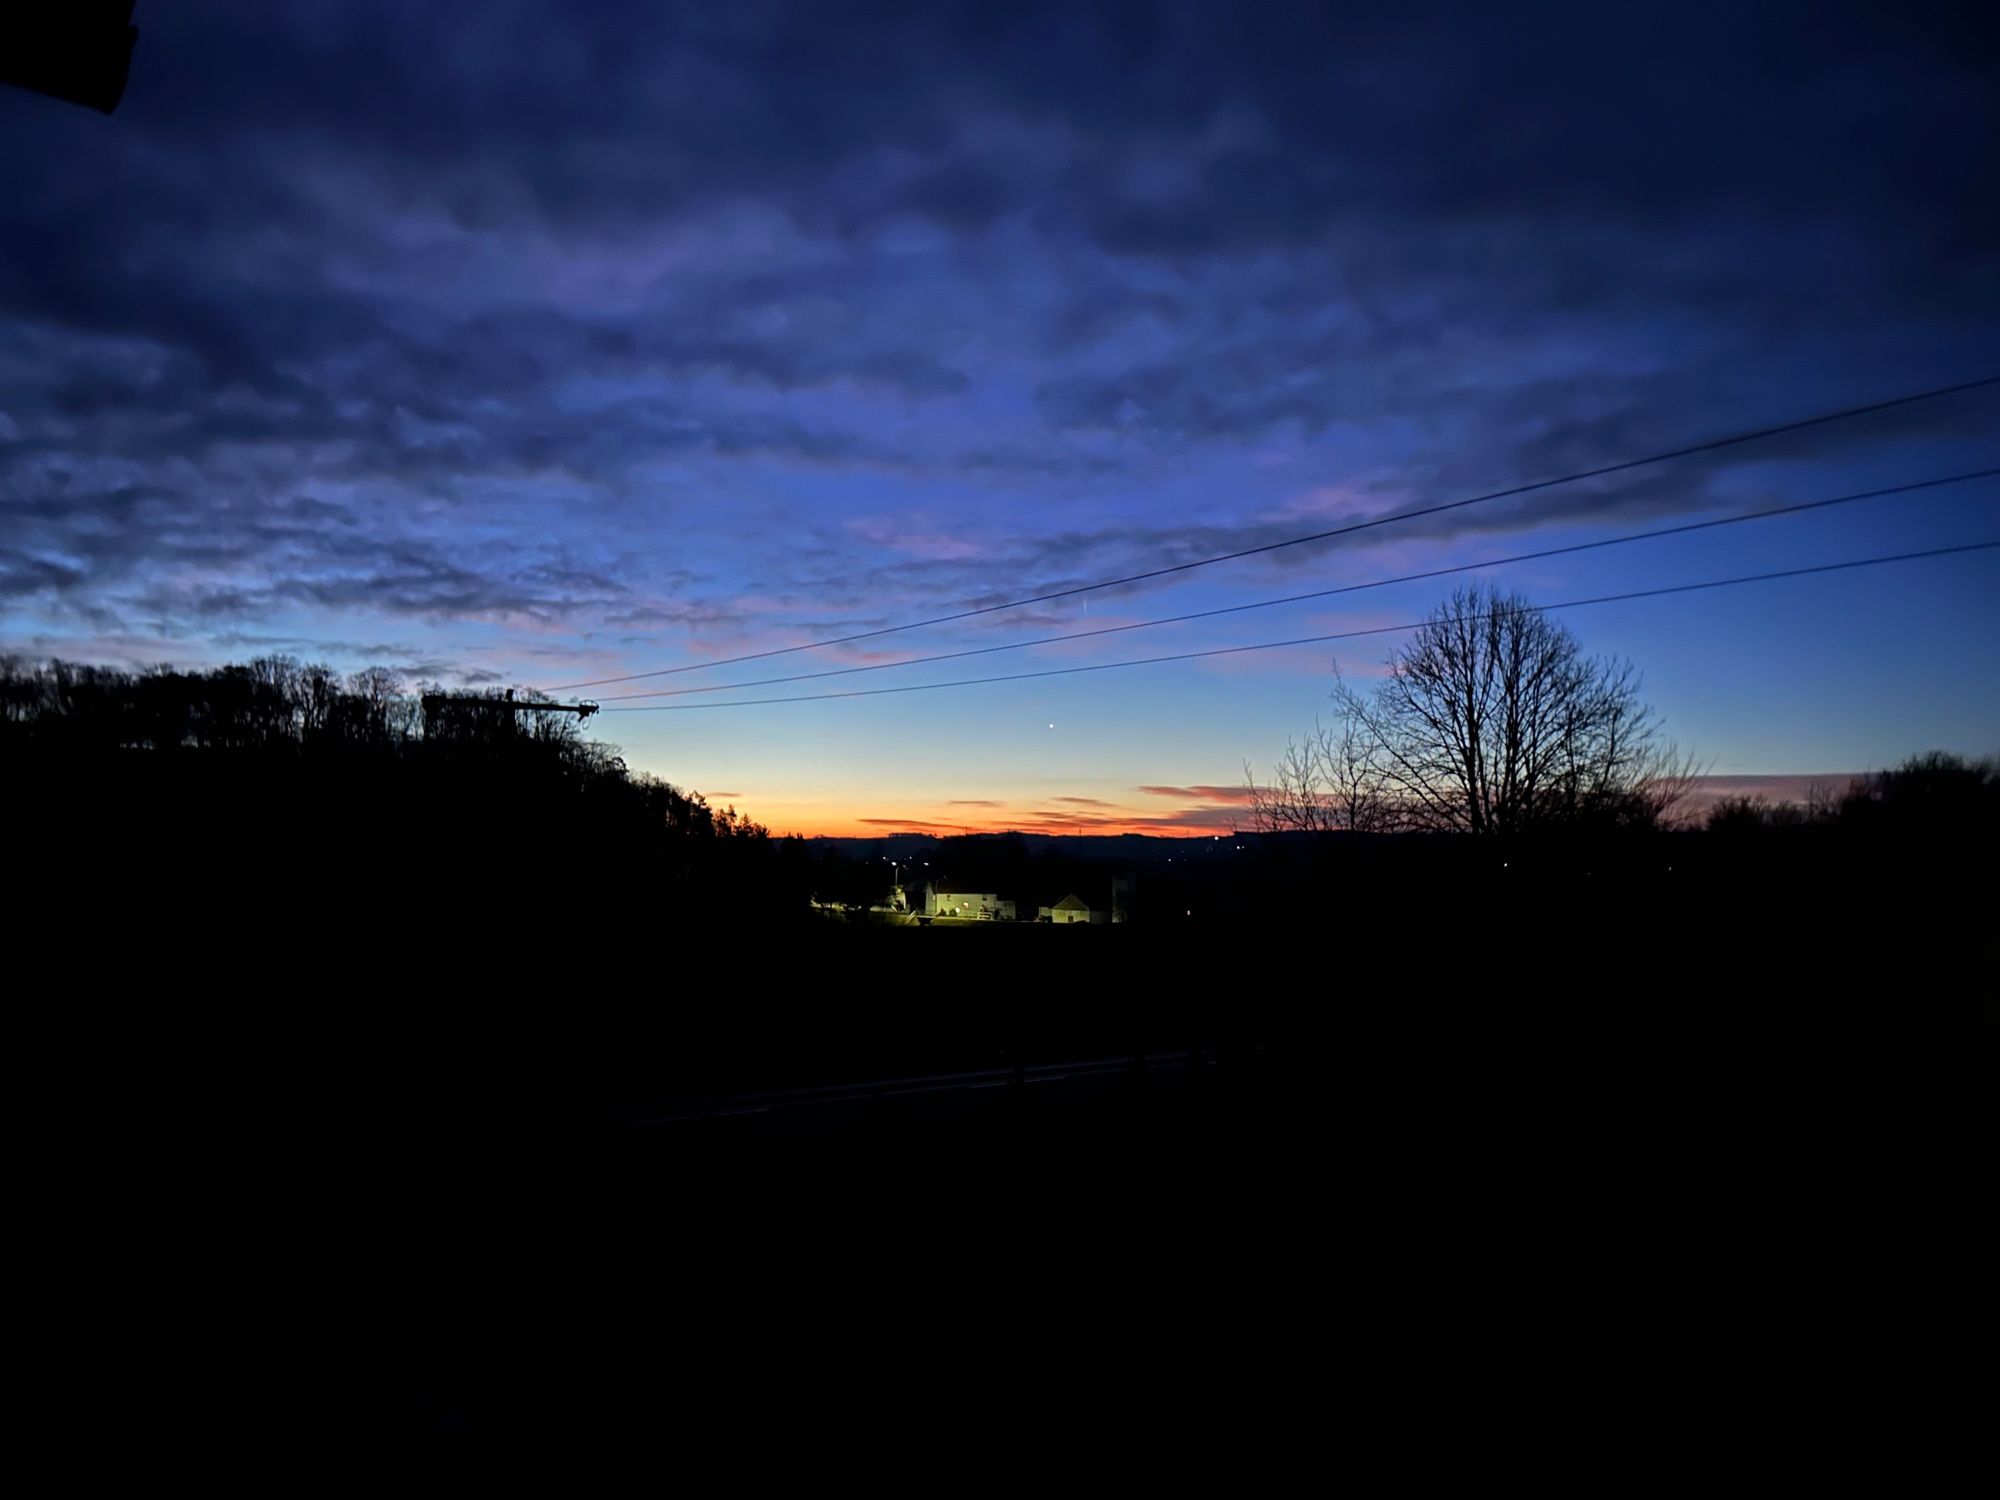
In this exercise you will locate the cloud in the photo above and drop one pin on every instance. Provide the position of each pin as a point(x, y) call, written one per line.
point(1188, 820)
point(1234, 795)
point(1779, 787)
point(601, 320)
point(182, 557)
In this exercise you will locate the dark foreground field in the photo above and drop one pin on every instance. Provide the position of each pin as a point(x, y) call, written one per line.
point(796, 1194)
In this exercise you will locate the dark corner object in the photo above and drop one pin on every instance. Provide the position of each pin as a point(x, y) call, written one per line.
point(76, 50)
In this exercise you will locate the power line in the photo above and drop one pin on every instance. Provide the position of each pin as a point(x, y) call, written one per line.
point(1312, 640)
point(1708, 446)
point(1350, 588)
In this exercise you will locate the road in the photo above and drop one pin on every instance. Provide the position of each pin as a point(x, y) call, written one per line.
point(833, 1106)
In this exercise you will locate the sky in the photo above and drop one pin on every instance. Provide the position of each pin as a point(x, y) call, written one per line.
point(534, 343)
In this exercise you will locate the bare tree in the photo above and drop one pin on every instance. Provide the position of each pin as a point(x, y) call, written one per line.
point(1328, 781)
point(1293, 800)
point(1492, 719)
point(1353, 774)
point(1823, 800)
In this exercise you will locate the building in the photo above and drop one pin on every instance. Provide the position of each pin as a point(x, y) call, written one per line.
point(943, 899)
point(1072, 909)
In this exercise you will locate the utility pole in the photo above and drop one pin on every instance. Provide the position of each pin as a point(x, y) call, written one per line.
point(438, 705)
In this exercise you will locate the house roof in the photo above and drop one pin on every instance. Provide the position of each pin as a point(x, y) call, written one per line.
point(1071, 902)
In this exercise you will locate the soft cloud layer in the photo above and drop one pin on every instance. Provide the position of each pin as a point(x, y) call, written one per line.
point(529, 342)
point(1709, 790)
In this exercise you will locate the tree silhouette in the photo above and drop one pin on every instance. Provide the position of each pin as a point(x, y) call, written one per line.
point(278, 769)
point(1931, 793)
point(1325, 781)
point(1491, 720)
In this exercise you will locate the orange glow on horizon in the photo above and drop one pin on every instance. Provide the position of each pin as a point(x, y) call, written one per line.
point(865, 825)
point(1175, 812)
point(1199, 811)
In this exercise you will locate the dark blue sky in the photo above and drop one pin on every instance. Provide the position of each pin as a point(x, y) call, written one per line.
point(533, 342)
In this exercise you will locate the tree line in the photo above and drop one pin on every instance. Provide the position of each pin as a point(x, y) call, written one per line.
point(1935, 793)
point(278, 775)
point(278, 705)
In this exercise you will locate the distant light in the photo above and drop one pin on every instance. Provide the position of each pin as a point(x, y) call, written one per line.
point(1052, 726)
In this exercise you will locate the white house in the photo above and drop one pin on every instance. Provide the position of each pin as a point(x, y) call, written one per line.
point(943, 899)
point(1071, 909)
